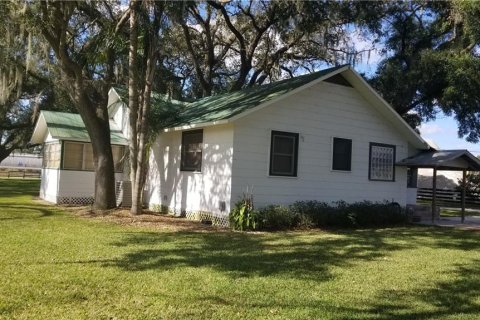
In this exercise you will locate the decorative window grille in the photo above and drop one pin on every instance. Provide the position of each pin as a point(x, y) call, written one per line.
point(382, 162)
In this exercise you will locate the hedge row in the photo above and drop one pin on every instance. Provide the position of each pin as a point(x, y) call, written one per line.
point(315, 214)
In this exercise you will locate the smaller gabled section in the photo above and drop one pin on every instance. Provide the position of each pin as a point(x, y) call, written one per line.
point(68, 126)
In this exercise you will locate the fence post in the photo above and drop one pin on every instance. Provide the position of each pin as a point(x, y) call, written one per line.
point(464, 186)
point(434, 195)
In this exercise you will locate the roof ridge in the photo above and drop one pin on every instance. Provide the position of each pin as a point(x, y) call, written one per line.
point(265, 86)
point(162, 96)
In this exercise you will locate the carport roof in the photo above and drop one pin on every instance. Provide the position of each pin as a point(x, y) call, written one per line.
point(443, 160)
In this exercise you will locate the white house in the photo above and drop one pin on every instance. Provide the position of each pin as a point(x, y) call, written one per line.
point(325, 136)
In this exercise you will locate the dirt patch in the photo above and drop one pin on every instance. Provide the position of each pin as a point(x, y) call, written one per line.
point(147, 219)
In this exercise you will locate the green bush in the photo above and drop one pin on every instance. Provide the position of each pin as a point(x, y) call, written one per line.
point(311, 214)
point(358, 214)
point(277, 218)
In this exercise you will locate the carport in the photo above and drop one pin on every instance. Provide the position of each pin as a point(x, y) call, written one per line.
point(452, 160)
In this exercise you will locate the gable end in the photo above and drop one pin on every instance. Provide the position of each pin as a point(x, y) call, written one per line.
point(339, 79)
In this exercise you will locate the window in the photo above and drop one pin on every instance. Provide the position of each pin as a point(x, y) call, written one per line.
point(192, 143)
point(51, 155)
point(342, 154)
point(73, 156)
point(79, 156)
point(284, 154)
point(382, 162)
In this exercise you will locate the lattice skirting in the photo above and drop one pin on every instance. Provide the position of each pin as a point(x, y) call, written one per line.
point(217, 220)
point(75, 201)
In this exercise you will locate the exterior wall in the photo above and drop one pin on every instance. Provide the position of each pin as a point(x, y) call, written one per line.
point(318, 114)
point(58, 186)
point(49, 184)
point(49, 178)
point(49, 138)
point(120, 117)
point(411, 195)
point(77, 184)
point(191, 191)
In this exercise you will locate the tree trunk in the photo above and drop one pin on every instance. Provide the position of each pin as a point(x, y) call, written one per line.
point(133, 105)
point(138, 183)
point(95, 116)
point(139, 104)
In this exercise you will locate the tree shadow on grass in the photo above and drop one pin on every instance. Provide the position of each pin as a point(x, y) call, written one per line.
point(16, 187)
point(309, 255)
point(245, 255)
point(458, 297)
point(11, 211)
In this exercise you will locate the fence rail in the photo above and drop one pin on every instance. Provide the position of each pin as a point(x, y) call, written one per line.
point(448, 197)
point(20, 173)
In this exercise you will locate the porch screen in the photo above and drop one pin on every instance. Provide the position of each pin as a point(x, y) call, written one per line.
point(51, 155)
point(79, 156)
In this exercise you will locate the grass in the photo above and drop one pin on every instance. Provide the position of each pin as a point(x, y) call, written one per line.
point(55, 265)
point(454, 212)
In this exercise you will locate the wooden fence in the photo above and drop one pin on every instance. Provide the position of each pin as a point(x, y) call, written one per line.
point(20, 173)
point(448, 198)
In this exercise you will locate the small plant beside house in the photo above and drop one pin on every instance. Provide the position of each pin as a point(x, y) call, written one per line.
point(243, 216)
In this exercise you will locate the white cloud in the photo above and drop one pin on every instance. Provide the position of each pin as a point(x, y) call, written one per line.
point(430, 128)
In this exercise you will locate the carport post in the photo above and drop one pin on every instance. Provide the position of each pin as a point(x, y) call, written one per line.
point(464, 187)
point(434, 195)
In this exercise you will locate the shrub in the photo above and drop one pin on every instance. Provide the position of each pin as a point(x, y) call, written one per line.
point(277, 218)
point(358, 214)
point(316, 211)
point(308, 214)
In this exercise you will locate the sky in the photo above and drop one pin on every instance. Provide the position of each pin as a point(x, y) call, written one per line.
point(441, 132)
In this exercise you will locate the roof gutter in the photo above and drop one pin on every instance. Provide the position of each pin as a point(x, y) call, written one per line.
point(198, 125)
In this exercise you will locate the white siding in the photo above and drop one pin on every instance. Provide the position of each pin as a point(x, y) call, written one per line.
point(49, 185)
point(411, 195)
point(78, 183)
point(319, 113)
point(49, 138)
point(120, 117)
point(191, 191)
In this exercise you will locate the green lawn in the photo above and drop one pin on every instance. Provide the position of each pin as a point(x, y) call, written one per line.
point(55, 265)
point(454, 212)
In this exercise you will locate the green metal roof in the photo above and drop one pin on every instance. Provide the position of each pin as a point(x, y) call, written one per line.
point(65, 126)
point(228, 105)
